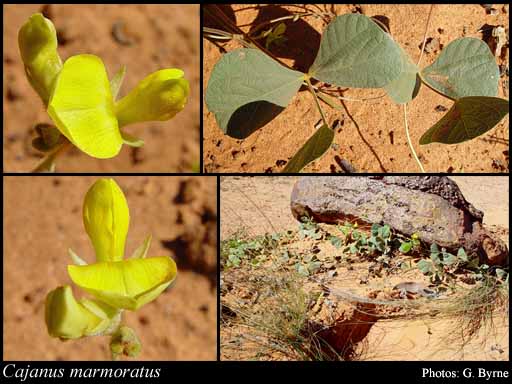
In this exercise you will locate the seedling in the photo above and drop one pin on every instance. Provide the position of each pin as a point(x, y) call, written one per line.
point(248, 88)
point(115, 284)
point(83, 104)
point(309, 229)
point(443, 264)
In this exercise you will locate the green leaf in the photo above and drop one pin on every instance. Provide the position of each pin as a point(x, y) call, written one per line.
point(315, 147)
point(425, 267)
point(385, 231)
point(375, 229)
point(356, 52)
point(301, 269)
point(461, 254)
point(501, 274)
point(37, 40)
point(247, 89)
point(82, 107)
point(449, 259)
point(468, 118)
point(336, 241)
point(405, 247)
point(466, 67)
point(106, 219)
point(127, 284)
point(405, 88)
point(158, 97)
point(117, 81)
point(141, 252)
point(314, 266)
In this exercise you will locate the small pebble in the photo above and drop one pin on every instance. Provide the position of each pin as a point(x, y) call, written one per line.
point(433, 45)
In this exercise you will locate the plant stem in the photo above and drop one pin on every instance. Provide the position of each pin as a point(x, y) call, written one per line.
point(425, 34)
point(316, 101)
point(240, 36)
point(261, 25)
point(48, 162)
point(409, 140)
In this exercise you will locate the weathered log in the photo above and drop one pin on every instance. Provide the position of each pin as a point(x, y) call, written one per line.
point(431, 206)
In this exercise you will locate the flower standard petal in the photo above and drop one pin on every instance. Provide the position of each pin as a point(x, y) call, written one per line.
point(82, 107)
point(106, 219)
point(127, 284)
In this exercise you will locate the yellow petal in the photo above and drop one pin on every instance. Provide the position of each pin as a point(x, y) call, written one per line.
point(106, 219)
point(82, 107)
point(65, 317)
point(159, 96)
point(127, 284)
point(37, 40)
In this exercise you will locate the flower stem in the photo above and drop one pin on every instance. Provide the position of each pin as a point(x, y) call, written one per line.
point(48, 162)
point(409, 140)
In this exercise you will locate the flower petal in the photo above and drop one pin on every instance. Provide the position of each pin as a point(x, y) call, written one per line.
point(82, 107)
point(68, 319)
point(106, 219)
point(127, 284)
point(37, 40)
point(159, 96)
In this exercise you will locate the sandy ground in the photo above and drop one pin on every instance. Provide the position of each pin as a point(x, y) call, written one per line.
point(378, 142)
point(43, 218)
point(161, 36)
point(259, 205)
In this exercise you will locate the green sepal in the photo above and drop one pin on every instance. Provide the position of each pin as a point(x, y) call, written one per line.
point(141, 252)
point(76, 259)
point(48, 137)
point(117, 81)
point(132, 141)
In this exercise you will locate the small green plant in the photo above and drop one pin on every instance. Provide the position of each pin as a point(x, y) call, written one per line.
point(274, 35)
point(248, 87)
point(238, 249)
point(411, 244)
point(115, 284)
point(82, 102)
point(379, 242)
point(308, 229)
point(443, 264)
